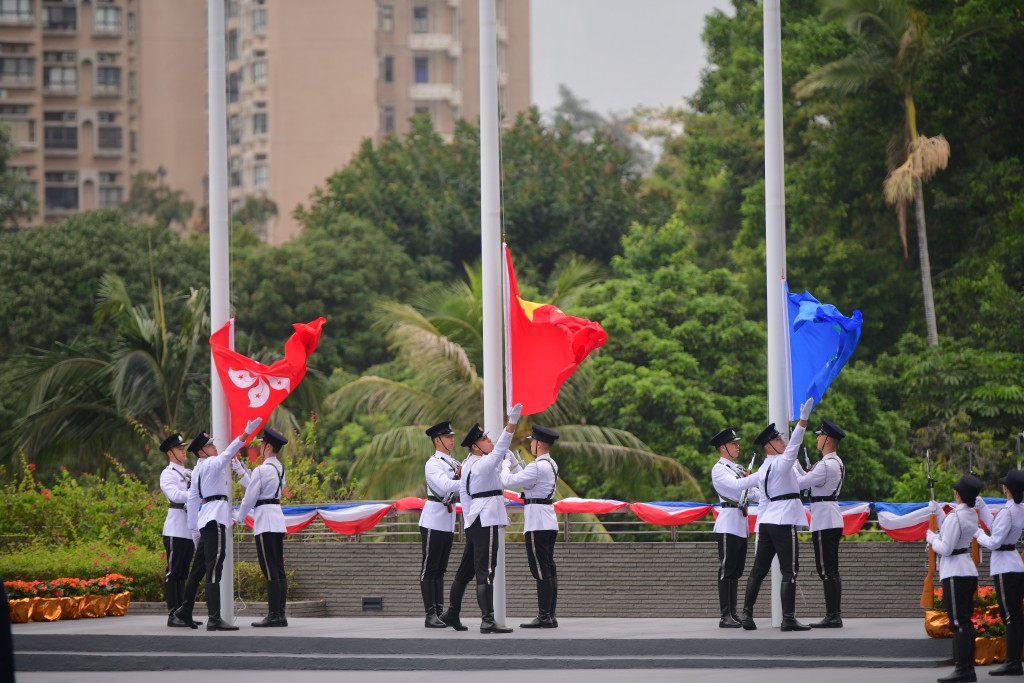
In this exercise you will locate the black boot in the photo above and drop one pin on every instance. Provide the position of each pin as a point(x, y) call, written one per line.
point(439, 597)
point(427, 590)
point(789, 622)
point(833, 617)
point(554, 600)
point(184, 614)
point(273, 617)
point(749, 598)
point(733, 589)
point(727, 620)
point(451, 615)
point(171, 590)
point(214, 622)
point(963, 657)
point(282, 596)
point(544, 597)
point(485, 598)
point(1012, 667)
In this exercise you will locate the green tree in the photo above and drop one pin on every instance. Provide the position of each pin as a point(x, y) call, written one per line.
point(255, 212)
point(17, 200)
point(150, 199)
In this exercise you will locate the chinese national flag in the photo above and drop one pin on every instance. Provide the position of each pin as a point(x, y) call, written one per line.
point(254, 389)
point(543, 347)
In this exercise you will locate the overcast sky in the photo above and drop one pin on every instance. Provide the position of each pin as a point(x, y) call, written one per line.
point(616, 54)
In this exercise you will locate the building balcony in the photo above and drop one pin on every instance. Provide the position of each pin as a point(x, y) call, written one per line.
point(107, 90)
point(434, 92)
point(427, 42)
point(17, 81)
point(61, 89)
point(17, 18)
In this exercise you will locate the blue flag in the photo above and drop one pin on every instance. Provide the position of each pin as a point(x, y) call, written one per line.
point(821, 340)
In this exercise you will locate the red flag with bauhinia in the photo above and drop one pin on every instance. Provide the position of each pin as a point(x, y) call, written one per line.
point(543, 346)
point(254, 389)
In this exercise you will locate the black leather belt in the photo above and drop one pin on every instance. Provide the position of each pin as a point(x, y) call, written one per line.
point(435, 499)
point(539, 501)
point(1008, 546)
point(176, 506)
point(267, 501)
point(212, 498)
point(729, 505)
point(960, 551)
point(487, 494)
point(785, 496)
point(824, 499)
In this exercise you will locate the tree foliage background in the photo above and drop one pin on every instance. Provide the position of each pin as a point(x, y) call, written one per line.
point(680, 252)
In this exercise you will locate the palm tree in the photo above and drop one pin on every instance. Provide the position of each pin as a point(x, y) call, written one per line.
point(438, 343)
point(894, 48)
point(84, 399)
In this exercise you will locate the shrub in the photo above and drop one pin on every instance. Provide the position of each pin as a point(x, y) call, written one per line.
point(38, 562)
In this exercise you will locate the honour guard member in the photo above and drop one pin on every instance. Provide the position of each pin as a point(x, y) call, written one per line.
point(263, 497)
point(539, 480)
point(178, 543)
point(210, 488)
point(825, 479)
point(1006, 566)
point(731, 482)
point(778, 521)
point(952, 545)
point(483, 514)
point(437, 523)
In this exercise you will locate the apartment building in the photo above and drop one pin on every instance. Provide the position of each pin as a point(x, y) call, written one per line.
point(121, 87)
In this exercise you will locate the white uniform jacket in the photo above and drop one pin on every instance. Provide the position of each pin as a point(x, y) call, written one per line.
point(825, 480)
point(480, 474)
point(266, 482)
point(955, 533)
point(730, 480)
point(777, 477)
point(174, 481)
point(440, 474)
point(538, 480)
point(1005, 527)
point(212, 478)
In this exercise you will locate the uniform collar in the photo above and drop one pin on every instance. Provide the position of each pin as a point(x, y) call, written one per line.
point(546, 455)
point(833, 454)
point(441, 454)
point(176, 466)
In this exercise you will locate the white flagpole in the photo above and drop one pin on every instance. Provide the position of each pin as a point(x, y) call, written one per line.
point(775, 242)
point(220, 260)
point(490, 255)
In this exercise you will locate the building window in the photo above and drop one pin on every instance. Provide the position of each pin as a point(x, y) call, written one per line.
point(61, 198)
point(107, 20)
point(234, 129)
point(110, 138)
point(420, 20)
point(232, 44)
point(60, 138)
point(260, 175)
point(259, 123)
point(259, 72)
point(17, 71)
point(109, 197)
point(60, 79)
point(235, 172)
point(387, 119)
point(133, 142)
point(259, 21)
point(234, 86)
point(108, 80)
point(21, 11)
point(421, 109)
point(421, 68)
point(131, 25)
point(230, 8)
point(108, 177)
point(387, 68)
point(132, 84)
point(386, 18)
point(60, 18)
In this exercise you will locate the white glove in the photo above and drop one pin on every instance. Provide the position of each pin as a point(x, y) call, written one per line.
point(930, 535)
point(933, 507)
point(979, 533)
point(980, 503)
point(252, 425)
point(513, 415)
point(805, 409)
point(236, 465)
point(196, 537)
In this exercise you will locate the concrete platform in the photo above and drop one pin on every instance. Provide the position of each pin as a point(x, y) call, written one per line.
point(144, 643)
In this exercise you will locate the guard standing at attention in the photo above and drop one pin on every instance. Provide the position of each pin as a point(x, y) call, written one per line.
point(210, 487)
point(483, 514)
point(437, 524)
point(778, 521)
point(731, 481)
point(178, 543)
point(825, 480)
point(539, 480)
point(263, 497)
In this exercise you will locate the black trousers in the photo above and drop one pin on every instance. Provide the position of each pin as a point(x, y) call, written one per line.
point(732, 556)
point(197, 572)
point(1009, 594)
point(437, 547)
point(480, 556)
point(214, 543)
point(179, 555)
point(958, 596)
point(826, 552)
point(776, 540)
point(270, 553)
point(540, 552)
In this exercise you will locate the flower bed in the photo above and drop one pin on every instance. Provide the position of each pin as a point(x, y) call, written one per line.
point(68, 598)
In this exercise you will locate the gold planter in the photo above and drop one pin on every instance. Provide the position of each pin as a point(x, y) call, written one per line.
point(95, 605)
point(21, 610)
point(71, 607)
point(936, 624)
point(989, 651)
point(46, 609)
point(119, 604)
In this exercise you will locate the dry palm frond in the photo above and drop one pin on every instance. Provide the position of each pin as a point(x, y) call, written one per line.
point(929, 156)
point(899, 184)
